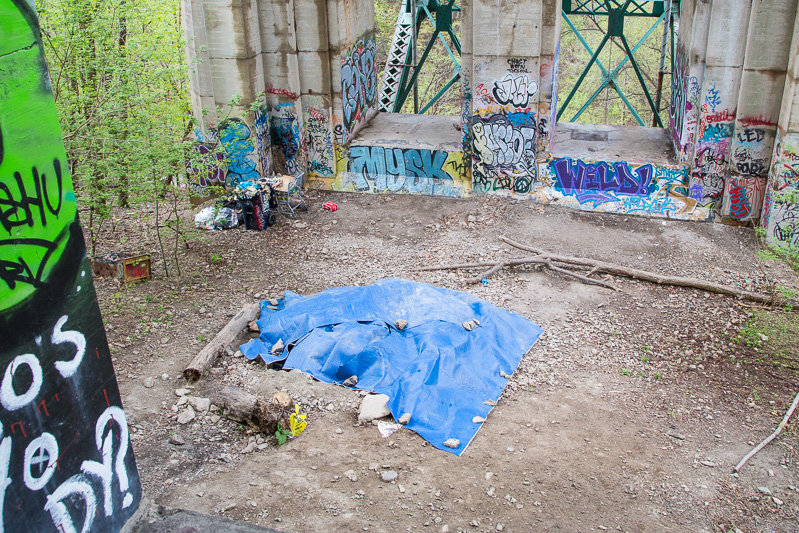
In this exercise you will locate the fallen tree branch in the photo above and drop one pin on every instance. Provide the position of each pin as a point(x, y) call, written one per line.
point(492, 270)
point(217, 346)
point(770, 437)
point(584, 279)
point(660, 279)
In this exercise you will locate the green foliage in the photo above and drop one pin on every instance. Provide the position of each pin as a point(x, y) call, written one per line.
point(281, 434)
point(626, 372)
point(120, 82)
point(774, 334)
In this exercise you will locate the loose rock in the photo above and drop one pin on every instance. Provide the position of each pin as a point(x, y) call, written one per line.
point(404, 419)
point(278, 347)
point(478, 420)
point(351, 381)
point(200, 404)
point(452, 443)
point(388, 476)
point(373, 407)
point(401, 324)
point(186, 416)
point(282, 399)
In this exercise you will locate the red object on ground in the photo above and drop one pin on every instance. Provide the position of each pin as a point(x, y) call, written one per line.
point(329, 206)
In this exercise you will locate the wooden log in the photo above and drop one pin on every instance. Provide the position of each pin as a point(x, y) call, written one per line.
point(241, 406)
point(203, 360)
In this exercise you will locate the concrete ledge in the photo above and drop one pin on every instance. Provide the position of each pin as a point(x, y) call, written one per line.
point(165, 520)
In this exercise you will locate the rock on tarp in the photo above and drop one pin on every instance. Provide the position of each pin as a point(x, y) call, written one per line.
point(434, 369)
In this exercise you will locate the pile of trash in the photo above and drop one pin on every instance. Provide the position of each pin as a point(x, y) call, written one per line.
point(249, 204)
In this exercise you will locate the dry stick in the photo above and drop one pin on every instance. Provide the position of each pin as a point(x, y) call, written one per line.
point(770, 437)
point(677, 281)
point(492, 270)
point(203, 360)
point(584, 279)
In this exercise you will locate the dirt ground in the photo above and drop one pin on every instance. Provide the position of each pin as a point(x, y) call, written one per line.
point(627, 415)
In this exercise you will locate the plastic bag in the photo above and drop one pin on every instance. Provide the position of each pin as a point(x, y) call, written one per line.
point(212, 218)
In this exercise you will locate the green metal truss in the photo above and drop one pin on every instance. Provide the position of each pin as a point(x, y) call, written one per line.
point(617, 11)
point(440, 15)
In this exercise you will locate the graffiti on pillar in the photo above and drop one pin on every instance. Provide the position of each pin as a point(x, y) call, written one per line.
point(263, 140)
point(751, 150)
point(679, 95)
point(743, 197)
point(414, 171)
point(205, 168)
point(514, 90)
point(321, 160)
point(784, 170)
point(358, 82)
point(65, 460)
point(242, 163)
point(286, 140)
point(713, 144)
point(504, 152)
point(782, 223)
point(518, 65)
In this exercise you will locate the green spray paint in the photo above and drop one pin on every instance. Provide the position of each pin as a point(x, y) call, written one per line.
point(37, 201)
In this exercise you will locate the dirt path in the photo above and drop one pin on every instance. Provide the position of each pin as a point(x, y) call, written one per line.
point(627, 415)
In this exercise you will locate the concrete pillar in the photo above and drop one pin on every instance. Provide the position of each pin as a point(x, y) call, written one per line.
point(767, 48)
point(353, 71)
point(225, 50)
point(507, 66)
point(66, 461)
point(689, 70)
point(200, 86)
point(548, 86)
point(313, 58)
point(282, 85)
point(467, 73)
point(780, 215)
point(726, 46)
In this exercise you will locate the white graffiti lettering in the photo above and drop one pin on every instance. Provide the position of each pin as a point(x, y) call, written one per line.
point(43, 449)
point(8, 396)
point(515, 90)
point(68, 368)
point(77, 486)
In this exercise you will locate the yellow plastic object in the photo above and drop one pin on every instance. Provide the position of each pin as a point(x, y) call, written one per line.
point(297, 421)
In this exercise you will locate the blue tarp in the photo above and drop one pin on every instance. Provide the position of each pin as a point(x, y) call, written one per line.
point(434, 369)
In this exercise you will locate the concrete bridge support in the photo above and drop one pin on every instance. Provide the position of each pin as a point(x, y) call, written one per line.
point(730, 56)
point(314, 60)
point(781, 207)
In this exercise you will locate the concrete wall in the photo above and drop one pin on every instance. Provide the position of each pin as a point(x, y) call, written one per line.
point(314, 59)
point(731, 64)
point(313, 62)
point(65, 457)
point(781, 207)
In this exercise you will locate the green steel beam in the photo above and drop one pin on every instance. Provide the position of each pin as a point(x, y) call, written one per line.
point(612, 76)
point(440, 15)
point(616, 11)
point(636, 8)
point(606, 77)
